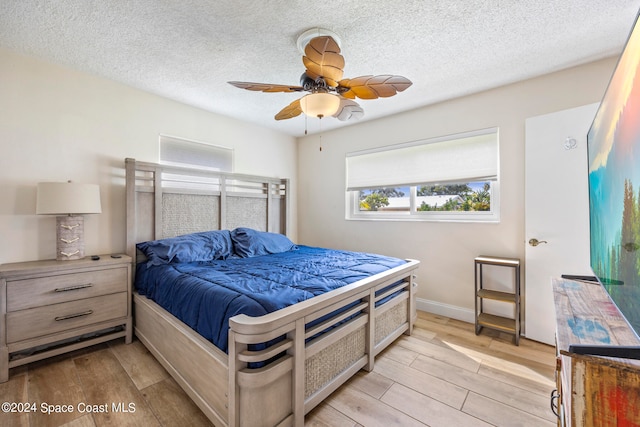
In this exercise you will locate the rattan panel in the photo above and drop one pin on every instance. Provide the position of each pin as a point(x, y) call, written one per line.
point(246, 212)
point(203, 214)
point(328, 363)
point(390, 320)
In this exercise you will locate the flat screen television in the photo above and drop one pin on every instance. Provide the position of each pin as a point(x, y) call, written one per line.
point(613, 145)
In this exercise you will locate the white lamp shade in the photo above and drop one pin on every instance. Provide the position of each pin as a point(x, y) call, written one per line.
point(62, 198)
point(320, 104)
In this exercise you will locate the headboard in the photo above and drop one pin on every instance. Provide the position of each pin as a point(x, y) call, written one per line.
point(166, 201)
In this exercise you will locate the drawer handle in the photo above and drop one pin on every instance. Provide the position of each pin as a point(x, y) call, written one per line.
point(73, 288)
point(73, 316)
point(555, 401)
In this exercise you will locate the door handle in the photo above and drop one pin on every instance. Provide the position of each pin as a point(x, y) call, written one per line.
point(536, 242)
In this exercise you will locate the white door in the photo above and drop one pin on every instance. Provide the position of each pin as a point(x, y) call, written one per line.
point(556, 211)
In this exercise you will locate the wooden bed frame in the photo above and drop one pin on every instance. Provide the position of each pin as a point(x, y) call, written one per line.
point(164, 201)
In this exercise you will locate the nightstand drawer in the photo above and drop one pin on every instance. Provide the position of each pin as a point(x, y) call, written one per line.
point(40, 321)
point(28, 293)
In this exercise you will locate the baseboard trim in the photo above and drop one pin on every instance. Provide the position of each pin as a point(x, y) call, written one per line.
point(442, 309)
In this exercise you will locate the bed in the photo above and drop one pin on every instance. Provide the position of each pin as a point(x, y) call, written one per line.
point(276, 366)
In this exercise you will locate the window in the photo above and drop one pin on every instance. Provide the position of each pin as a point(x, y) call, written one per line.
point(451, 178)
point(183, 152)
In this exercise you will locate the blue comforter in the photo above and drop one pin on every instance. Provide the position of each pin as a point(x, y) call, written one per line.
point(205, 295)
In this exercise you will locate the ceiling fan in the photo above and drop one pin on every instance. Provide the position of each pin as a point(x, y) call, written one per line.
point(330, 94)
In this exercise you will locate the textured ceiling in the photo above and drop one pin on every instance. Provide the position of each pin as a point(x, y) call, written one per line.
point(188, 49)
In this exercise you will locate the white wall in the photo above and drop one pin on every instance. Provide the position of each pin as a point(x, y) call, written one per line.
point(57, 124)
point(446, 250)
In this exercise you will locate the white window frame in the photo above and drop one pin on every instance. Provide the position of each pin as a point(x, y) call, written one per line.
point(352, 201)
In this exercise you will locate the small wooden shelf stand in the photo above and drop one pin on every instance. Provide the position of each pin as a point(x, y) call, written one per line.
point(492, 321)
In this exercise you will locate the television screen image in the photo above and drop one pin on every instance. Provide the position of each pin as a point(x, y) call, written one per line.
point(614, 184)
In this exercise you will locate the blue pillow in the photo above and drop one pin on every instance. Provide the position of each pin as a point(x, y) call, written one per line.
point(248, 242)
point(204, 246)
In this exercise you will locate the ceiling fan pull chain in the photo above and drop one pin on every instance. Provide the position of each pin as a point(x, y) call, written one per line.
point(320, 120)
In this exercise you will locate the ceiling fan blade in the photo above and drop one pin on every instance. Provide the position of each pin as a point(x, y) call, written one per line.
point(372, 87)
point(290, 111)
point(348, 110)
point(266, 87)
point(322, 59)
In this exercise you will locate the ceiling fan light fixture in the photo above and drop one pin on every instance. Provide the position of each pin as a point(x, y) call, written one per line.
point(320, 104)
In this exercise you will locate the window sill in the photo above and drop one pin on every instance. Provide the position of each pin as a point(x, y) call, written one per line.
point(483, 218)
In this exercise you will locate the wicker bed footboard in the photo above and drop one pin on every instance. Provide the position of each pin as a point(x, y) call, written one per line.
point(313, 361)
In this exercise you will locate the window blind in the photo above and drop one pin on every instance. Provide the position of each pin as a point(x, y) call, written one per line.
point(183, 152)
point(455, 158)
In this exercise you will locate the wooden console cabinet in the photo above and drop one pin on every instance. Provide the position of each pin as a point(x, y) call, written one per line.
point(593, 390)
point(52, 307)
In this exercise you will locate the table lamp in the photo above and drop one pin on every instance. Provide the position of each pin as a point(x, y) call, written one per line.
point(69, 201)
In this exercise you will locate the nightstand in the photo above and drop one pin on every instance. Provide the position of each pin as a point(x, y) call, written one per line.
point(53, 307)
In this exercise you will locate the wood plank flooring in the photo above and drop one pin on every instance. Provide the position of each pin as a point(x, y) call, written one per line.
point(442, 375)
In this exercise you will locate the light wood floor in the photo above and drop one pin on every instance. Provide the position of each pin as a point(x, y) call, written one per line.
point(443, 375)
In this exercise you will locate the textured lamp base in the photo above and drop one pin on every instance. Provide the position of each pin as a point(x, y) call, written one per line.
point(69, 237)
